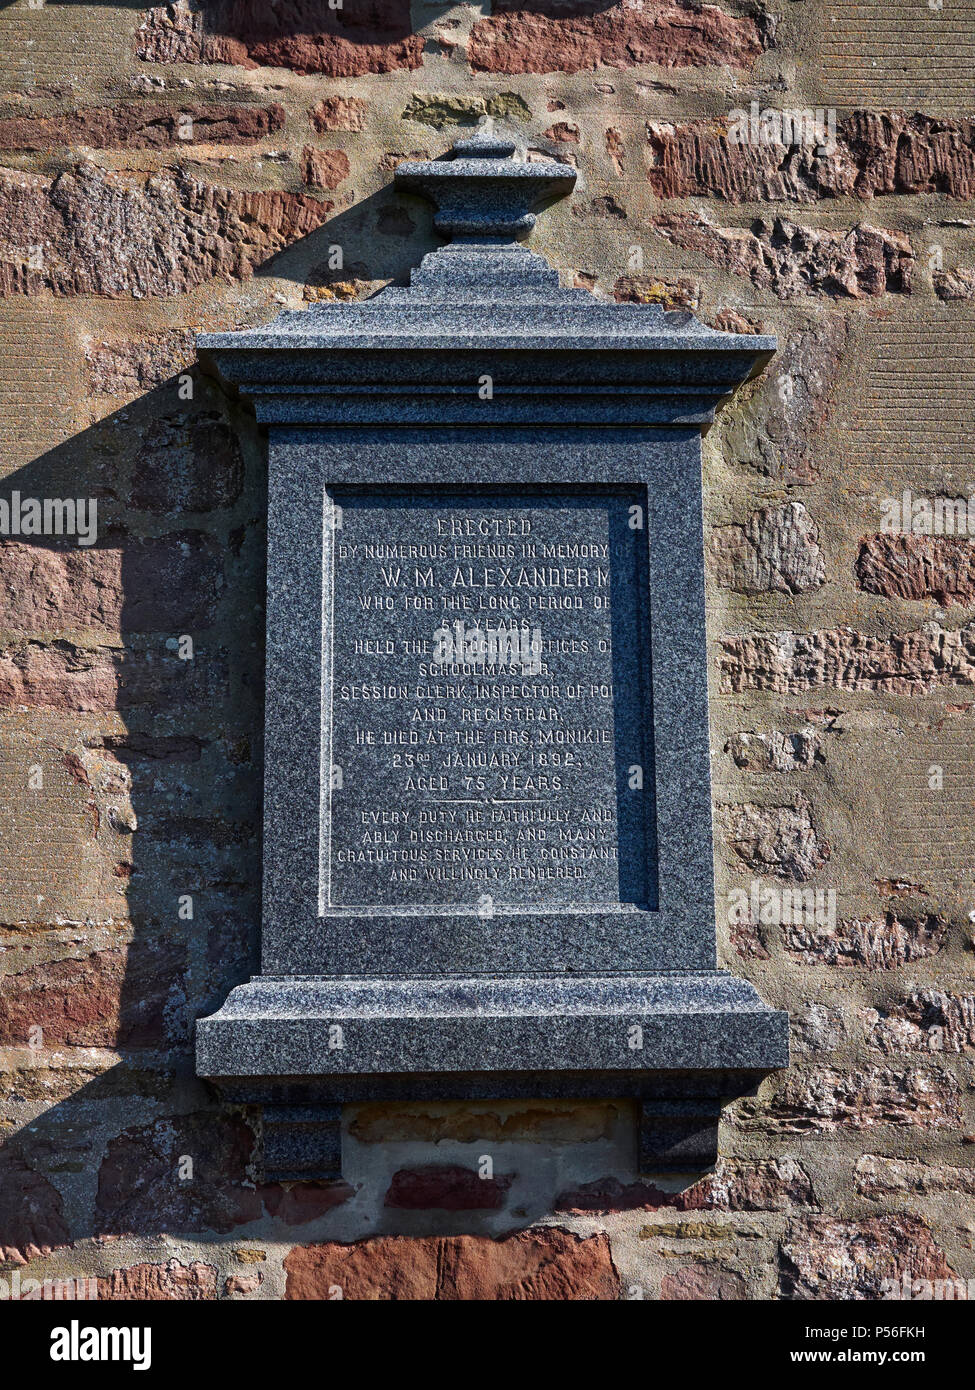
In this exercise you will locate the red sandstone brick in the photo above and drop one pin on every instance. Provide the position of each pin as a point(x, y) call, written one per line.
point(155, 1283)
point(771, 1185)
point(448, 1187)
point(926, 1020)
point(704, 1283)
point(775, 551)
point(683, 293)
point(65, 676)
point(116, 235)
point(876, 153)
point(116, 998)
point(779, 840)
point(324, 168)
point(187, 462)
point(540, 1264)
point(339, 113)
point(142, 126)
point(128, 367)
point(296, 1203)
point(823, 1258)
point(882, 944)
point(791, 260)
point(141, 1190)
point(373, 36)
point(577, 37)
point(879, 1176)
point(31, 1212)
point(242, 1284)
point(165, 584)
point(918, 567)
point(790, 663)
point(824, 1099)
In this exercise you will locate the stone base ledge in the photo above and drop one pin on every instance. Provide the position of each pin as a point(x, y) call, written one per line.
point(306, 1027)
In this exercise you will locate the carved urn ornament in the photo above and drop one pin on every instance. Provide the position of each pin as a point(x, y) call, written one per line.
point(487, 819)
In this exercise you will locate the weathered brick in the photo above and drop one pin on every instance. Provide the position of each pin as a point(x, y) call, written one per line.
point(324, 168)
point(62, 675)
point(128, 367)
point(731, 321)
point(90, 231)
point(927, 1020)
point(154, 1283)
point(779, 840)
point(296, 1203)
point(143, 586)
point(447, 1186)
point(791, 260)
point(776, 550)
point(876, 153)
point(736, 1185)
point(339, 113)
point(113, 998)
point(918, 567)
point(747, 940)
point(775, 426)
point(955, 284)
point(440, 109)
point(59, 676)
point(824, 1099)
point(563, 133)
point(790, 663)
point(579, 35)
point(879, 1176)
point(647, 289)
point(351, 282)
point(542, 1264)
point(143, 1186)
point(143, 126)
point(32, 1218)
point(242, 1284)
point(187, 462)
point(819, 1028)
point(307, 38)
point(616, 149)
point(775, 751)
point(704, 1282)
point(51, 1076)
point(876, 944)
point(822, 1258)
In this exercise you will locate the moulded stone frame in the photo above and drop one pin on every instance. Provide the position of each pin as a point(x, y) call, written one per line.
point(664, 465)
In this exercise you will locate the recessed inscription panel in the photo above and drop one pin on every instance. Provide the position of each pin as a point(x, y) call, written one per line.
point(486, 702)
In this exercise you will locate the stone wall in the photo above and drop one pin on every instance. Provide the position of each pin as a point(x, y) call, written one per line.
point(195, 166)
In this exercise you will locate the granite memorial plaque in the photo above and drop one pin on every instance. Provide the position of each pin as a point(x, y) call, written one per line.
point(487, 711)
point(487, 850)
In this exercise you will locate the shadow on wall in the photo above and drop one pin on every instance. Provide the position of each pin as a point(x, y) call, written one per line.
point(312, 36)
point(131, 673)
point(287, 32)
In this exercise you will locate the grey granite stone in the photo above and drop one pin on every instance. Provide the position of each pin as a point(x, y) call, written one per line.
point(488, 854)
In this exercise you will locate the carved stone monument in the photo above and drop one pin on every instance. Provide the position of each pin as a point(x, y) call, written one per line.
point(487, 842)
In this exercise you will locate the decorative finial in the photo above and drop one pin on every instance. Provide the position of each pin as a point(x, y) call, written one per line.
point(481, 190)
